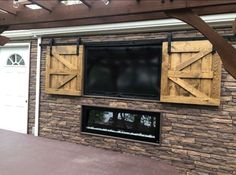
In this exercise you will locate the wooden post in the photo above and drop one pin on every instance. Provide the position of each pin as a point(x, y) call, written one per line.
point(3, 40)
point(234, 27)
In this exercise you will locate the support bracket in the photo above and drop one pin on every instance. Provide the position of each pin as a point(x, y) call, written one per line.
point(51, 43)
point(77, 46)
point(169, 39)
point(226, 51)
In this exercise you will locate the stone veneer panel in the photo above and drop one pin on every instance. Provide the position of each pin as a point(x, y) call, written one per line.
point(198, 140)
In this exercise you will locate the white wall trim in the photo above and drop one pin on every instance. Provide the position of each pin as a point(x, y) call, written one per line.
point(150, 25)
point(16, 45)
point(37, 93)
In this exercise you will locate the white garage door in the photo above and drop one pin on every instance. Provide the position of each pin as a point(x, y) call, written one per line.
point(14, 87)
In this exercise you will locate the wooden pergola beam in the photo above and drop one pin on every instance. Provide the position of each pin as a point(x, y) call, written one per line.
point(116, 8)
point(86, 3)
point(122, 18)
point(47, 5)
point(7, 6)
point(226, 51)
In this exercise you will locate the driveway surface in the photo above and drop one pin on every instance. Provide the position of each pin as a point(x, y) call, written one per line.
point(28, 155)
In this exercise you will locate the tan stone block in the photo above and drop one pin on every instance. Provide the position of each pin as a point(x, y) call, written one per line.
point(136, 148)
point(179, 151)
point(111, 141)
point(188, 140)
point(166, 128)
point(204, 164)
point(217, 120)
point(118, 104)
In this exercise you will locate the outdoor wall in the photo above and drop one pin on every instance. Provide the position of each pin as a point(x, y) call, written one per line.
point(32, 85)
point(195, 139)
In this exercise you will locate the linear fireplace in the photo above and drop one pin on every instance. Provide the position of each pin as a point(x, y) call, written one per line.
point(130, 124)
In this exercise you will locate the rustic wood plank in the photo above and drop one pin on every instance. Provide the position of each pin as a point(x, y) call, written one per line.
point(191, 100)
point(64, 72)
point(174, 61)
point(63, 61)
point(80, 63)
point(197, 77)
point(47, 75)
point(191, 74)
point(189, 88)
point(192, 60)
point(206, 85)
point(216, 82)
point(164, 70)
point(61, 72)
point(66, 80)
point(63, 92)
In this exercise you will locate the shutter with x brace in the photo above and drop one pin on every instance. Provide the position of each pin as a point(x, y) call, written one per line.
point(64, 70)
point(191, 74)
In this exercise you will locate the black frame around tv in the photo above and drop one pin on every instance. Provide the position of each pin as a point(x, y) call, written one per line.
point(129, 70)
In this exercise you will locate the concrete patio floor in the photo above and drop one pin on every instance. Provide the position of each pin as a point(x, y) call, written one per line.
point(28, 155)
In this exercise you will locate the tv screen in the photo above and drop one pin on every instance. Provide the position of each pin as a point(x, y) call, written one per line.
point(123, 70)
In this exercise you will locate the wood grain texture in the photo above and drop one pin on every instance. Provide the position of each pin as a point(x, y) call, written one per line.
point(64, 71)
point(191, 78)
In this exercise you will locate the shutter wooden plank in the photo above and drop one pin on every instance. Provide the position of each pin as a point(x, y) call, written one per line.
point(206, 66)
point(65, 80)
point(217, 68)
point(63, 61)
point(195, 58)
point(164, 71)
point(192, 74)
point(64, 71)
point(189, 88)
point(191, 100)
point(174, 89)
point(47, 76)
point(189, 47)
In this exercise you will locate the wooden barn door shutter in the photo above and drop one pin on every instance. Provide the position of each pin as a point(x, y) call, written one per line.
point(191, 74)
point(64, 70)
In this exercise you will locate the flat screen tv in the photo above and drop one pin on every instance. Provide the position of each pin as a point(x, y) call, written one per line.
point(125, 70)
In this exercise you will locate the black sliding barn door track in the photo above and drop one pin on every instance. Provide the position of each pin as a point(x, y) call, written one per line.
point(168, 39)
point(52, 43)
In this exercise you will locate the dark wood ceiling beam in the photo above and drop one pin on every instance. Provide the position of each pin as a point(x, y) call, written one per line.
point(122, 18)
point(46, 5)
point(3, 40)
point(101, 20)
point(116, 8)
point(86, 3)
point(7, 6)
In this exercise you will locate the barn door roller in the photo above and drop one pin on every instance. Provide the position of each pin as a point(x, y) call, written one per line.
point(52, 43)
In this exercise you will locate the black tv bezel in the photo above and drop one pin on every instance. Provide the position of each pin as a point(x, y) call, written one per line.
point(122, 43)
point(84, 123)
